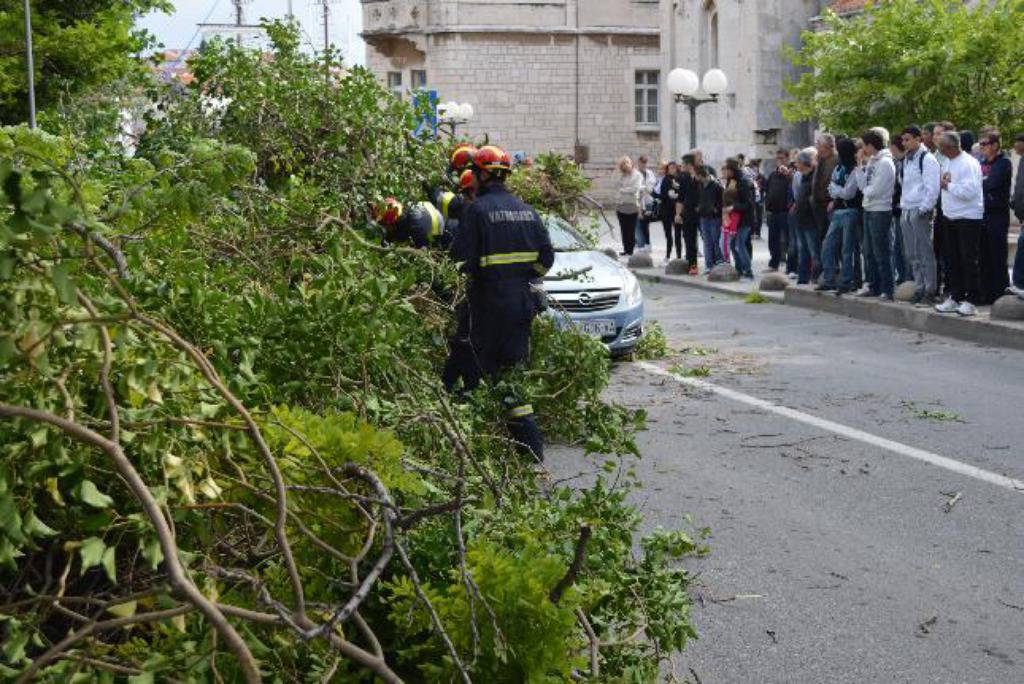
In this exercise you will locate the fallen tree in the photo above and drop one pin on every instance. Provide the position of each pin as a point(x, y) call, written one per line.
point(225, 452)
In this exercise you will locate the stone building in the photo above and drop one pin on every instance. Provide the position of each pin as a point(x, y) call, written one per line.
point(745, 39)
point(587, 77)
point(582, 77)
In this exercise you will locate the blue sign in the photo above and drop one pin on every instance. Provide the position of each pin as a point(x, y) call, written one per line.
point(425, 102)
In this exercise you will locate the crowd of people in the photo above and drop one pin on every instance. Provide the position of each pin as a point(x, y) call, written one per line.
point(860, 215)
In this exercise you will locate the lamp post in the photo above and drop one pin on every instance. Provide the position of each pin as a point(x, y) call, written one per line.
point(685, 84)
point(453, 115)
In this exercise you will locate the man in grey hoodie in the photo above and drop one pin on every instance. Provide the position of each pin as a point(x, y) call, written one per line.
point(877, 180)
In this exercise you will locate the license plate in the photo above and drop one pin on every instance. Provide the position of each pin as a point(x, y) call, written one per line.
point(598, 328)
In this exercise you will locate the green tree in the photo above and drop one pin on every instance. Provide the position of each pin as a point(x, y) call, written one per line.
point(907, 61)
point(78, 45)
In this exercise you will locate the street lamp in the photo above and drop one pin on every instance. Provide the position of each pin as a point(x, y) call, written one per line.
point(453, 115)
point(685, 84)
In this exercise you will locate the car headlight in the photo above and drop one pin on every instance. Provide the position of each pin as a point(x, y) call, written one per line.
point(634, 295)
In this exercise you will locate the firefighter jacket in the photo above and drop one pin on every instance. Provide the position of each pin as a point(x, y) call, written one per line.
point(502, 242)
point(421, 224)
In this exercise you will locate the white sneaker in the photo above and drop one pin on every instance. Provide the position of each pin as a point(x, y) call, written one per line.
point(966, 309)
point(948, 306)
point(1014, 290)
point(864, 291)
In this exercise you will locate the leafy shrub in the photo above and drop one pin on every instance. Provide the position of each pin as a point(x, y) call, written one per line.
point(553, 183)
point(224, 446)
point(654, 344)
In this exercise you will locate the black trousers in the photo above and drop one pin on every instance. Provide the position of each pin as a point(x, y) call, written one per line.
point(995, 255)
point(821, 221)
point(500, 321)
point(667, 217)
point(963, 249)
point(691, 228)
point(627, 226)
point(778, 230)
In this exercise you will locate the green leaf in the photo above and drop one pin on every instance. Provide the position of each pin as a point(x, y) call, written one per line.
point(152, 552)
point(66, 290)
point(126, 609)
point(88, 493)
point(109, 563)
point(91, 552)
point(14, 646)
point(34, 527)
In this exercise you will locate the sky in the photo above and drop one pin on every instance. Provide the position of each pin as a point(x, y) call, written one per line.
point(177, 29)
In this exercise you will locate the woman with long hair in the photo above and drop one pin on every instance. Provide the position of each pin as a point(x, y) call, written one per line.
point(668, 192)
point(627, 202)
point(841, 240)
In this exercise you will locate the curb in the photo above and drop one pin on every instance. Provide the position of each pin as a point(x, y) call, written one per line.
point(978, 330)
point(700, 284)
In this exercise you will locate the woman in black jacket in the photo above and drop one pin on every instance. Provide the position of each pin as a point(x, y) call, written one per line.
point(667, 192)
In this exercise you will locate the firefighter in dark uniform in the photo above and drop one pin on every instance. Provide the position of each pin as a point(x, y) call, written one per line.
point(460, 364)
point(420, 224)
point(450, 201)
point(502, 246)
point(451, 204)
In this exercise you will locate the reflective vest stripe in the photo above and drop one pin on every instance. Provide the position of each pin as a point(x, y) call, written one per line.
point(521, 411)
point(436, 221)
point(509, 258)
point(446, 200)
point(540, 268)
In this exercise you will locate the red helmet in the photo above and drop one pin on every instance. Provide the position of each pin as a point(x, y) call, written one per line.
point(492, 158)
point(462, 156)
point(388, 212)
point(466, 180)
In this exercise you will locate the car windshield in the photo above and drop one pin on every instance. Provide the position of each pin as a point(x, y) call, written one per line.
point(563, 235)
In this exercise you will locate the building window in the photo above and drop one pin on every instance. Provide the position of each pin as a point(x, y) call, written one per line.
point(395, 83)
point(709, 37)
point(646, 98)
point(419, 79)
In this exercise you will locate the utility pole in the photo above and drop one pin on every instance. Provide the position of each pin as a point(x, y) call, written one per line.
point(327, 24)
point(31, 67)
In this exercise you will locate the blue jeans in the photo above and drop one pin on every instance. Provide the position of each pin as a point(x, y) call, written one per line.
point(900, 263)
point(643, 232)
point(711, 233)
point(877, 225)
point(840, 245)
point(1018, 263)
point(810, 257)
point(739, 250)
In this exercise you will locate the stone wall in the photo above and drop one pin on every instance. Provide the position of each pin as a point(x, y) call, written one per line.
point(516, 63)
point(751, 40)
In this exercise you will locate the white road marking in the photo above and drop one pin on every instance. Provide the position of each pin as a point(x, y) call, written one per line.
point(846, 431)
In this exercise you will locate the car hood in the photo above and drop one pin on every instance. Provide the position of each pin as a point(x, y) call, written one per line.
point(604, 272)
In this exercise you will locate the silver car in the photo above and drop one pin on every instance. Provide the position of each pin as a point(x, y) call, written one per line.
point(592, 291)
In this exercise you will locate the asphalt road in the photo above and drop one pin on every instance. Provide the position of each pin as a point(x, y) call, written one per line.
point(833, 559)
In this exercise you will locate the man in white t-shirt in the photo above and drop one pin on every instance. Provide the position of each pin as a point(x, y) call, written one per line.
point(963, 206)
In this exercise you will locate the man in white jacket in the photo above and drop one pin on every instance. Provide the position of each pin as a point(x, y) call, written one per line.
point(963, 205)
point(917, 204)
point(877, 181)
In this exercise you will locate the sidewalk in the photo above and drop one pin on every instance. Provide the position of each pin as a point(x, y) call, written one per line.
point(981, 329)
